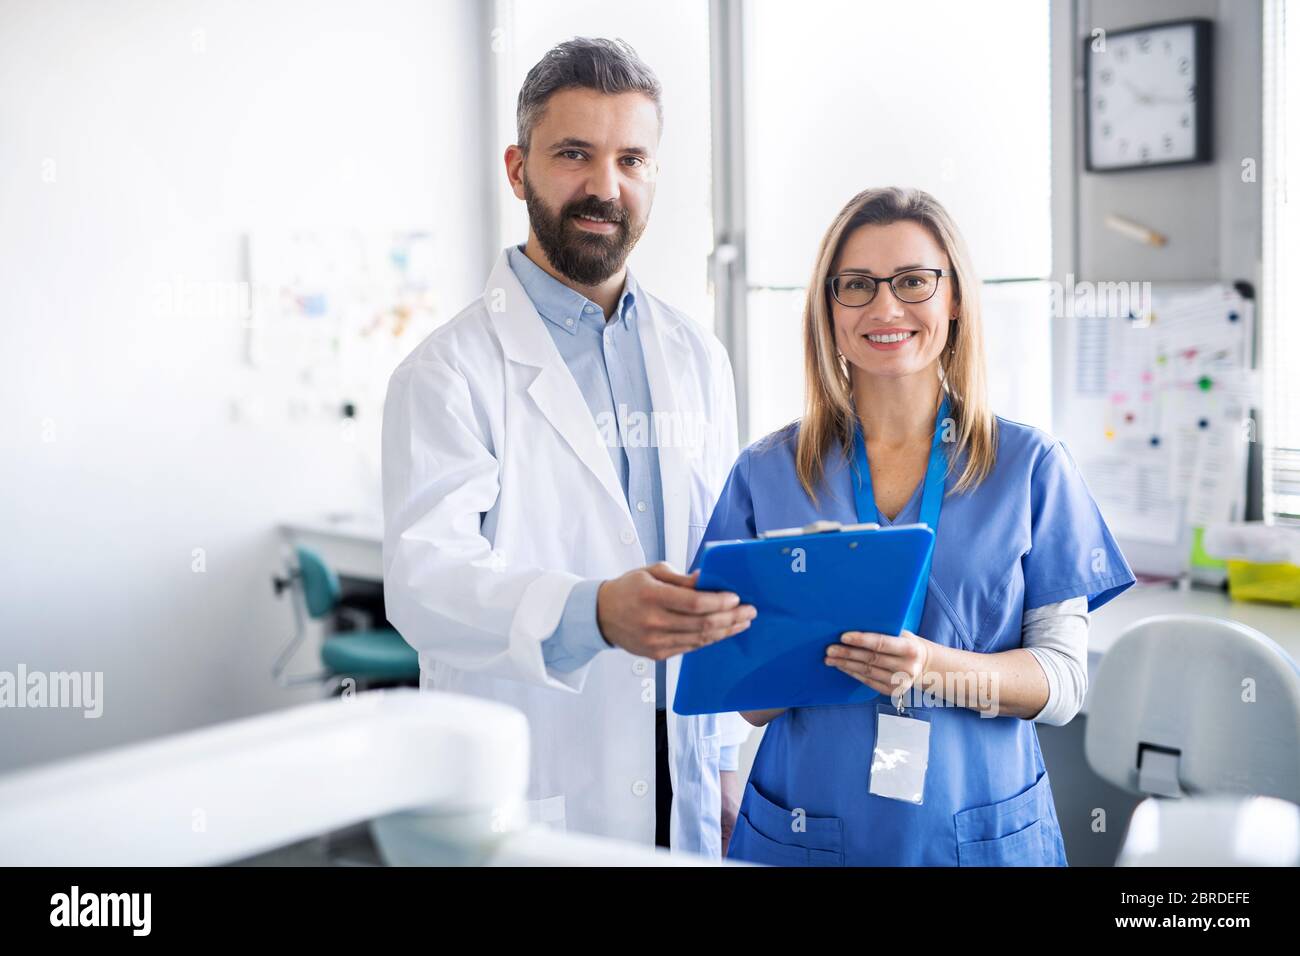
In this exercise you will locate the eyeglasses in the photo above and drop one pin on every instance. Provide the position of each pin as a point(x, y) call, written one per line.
point(856, 289)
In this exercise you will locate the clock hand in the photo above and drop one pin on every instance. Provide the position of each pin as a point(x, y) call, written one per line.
point(1141, 97)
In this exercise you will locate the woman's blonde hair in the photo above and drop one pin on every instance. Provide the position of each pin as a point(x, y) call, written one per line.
point(829, 418)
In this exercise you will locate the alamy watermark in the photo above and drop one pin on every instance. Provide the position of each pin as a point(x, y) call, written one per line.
point(977, 690)
point(130, 910)
point(80, 690)
point(629, 428)
point(1111, 300)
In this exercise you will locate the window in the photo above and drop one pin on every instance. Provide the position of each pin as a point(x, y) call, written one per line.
point(1279, 332)
point(837, 98)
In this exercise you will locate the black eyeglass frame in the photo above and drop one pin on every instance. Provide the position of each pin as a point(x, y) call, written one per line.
point(939, 274)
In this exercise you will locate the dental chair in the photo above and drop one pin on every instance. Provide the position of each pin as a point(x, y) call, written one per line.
point(441, 778)
point(1201, 716)
point(370, 657)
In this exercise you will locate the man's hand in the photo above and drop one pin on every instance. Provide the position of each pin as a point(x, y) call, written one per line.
point(657, 613)
point(731, 786)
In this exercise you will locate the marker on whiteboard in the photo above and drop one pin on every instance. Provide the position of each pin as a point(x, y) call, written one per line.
point(1135, 230)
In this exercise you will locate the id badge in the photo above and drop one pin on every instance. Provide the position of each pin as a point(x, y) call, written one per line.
point(901, 755)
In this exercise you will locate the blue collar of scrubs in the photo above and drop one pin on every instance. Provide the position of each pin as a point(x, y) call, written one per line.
point(931, 500)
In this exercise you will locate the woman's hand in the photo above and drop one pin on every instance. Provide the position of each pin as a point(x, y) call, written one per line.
point(887, 664)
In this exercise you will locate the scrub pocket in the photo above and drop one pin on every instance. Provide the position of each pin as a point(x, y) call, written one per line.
point(768, 833)
point(1019, 831)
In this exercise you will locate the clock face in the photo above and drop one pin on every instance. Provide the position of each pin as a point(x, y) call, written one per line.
point(1143, 98)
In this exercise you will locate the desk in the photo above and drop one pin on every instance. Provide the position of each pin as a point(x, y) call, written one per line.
point(351, 544)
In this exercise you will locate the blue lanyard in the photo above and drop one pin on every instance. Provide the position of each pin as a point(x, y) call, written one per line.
point(931, 501)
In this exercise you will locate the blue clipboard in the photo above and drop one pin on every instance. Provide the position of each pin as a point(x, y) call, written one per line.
point(809, 586)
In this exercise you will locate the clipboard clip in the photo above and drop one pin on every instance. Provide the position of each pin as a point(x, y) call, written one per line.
point(818, 527)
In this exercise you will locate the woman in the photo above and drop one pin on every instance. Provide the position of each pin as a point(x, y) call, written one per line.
point(897, 430)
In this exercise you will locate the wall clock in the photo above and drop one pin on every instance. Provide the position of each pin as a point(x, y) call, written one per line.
point(1148, 96)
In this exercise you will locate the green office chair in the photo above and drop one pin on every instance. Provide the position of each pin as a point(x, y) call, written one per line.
point(369, 657)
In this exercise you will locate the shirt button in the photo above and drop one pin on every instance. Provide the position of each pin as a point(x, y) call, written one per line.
point(639, 666)
point(640, 506)
point(589, 309)
point(640, 788)
point(569, 322)
point(627, 537)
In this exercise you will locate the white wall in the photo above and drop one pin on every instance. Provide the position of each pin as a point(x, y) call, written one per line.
point(169, 130)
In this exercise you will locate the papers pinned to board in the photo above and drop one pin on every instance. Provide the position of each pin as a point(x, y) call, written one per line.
point(1158, 411)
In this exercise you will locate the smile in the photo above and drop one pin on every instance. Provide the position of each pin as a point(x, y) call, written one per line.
point(596, 224)
point(890, 337)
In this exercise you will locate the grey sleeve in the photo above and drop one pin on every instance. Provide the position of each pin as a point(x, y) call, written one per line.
point(1057, 636)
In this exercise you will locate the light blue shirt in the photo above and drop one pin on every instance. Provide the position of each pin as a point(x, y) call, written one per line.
point(606, 361)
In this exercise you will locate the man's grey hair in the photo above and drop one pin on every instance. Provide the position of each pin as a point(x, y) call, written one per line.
point(592, 63)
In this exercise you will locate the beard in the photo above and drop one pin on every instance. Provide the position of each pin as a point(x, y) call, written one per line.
point(584, 258)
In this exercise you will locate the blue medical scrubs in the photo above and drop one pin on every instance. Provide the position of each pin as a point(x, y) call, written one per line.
point(1030, 534)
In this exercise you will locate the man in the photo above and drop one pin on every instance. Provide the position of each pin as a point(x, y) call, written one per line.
point(551, 455)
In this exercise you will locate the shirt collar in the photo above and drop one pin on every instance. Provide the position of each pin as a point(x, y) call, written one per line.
point(563, 306)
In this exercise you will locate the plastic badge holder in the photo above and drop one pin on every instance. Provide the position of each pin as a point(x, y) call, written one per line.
point(809, 586)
